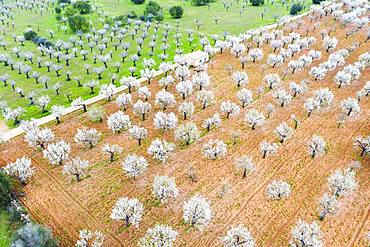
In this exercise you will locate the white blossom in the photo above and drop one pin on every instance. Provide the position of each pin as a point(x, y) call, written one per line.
point(268, 148)
point(76, 167)
point(164, 188)
point(141, 108)
point(39, 137)
point(107, 91)
point(197, 212)
point(205, 97)
point(282, 97)
point(240, 78)
point(363, 143)
point(138, 133)
point(214, 149)
point(278, 189)
point(254, 118)
point(123, 100)
point(128, 210)
point(328, 205)
point(184, 88)
point(201, 80)
point(57, 152)
point(21, 169)
point(245, 164)
point(342, 183)
point(305, 234)
point(186, 109)
point(90, 238)
point(316, 146)
point(89, 137)
point(283, 132)
point(160, 235)
point(350, 106)
point(160, 149)
point(112, 150)
point(212, 122)
point(144, 93)
point(238, 236)
point(330, 43)
point(165, 99)
point(272, 80)
point(165, 121)
point(245, 96)
point(187, 132)
point(119, 121)
point(230, 108)
point(134, 165)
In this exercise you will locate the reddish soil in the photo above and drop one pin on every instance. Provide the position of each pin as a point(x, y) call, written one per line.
point(67, 206)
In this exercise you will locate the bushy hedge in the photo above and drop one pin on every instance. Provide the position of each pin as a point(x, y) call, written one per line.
point(77, 23)
point(257, 2)
point(5, 190)
point(200, 2)
point(138, 1)
point(83, 7)
point(34, 235)
point(296, 8)
point(32, 36)
point(176, 12)
point(29, 34)
point(152, 8)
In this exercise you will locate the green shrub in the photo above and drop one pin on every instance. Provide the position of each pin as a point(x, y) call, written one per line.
point(132, 15)
point(34, 235)
point(5, 190)
point(58, 10)
point(64, 1)
point(257, 2)
point(78, 22)
point(159, 17)
point(83, 7)
point(152, 8)
point(58, 17)
point(176, 12)
point(70, 12)
point(295, 9)
point(29, 34)
point(138, 1)
point(200, 2)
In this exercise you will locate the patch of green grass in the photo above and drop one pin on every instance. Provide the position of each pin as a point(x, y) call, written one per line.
point(231, 21)
point(5, 229)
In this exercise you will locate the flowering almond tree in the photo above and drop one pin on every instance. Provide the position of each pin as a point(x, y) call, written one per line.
point(238, 236)
point(128, 210)
point(21, 169)
point(164, 188)
point(76, 167)
point(160, 235)
point(160, 149)
point(57, 152)
point(197, 212)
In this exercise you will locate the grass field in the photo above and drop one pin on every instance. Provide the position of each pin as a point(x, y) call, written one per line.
point(5, 232)
point(230, 21)
point(44, 23)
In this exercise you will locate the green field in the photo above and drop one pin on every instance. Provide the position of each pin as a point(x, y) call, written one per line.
point(5, 231)
point(230, 21)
